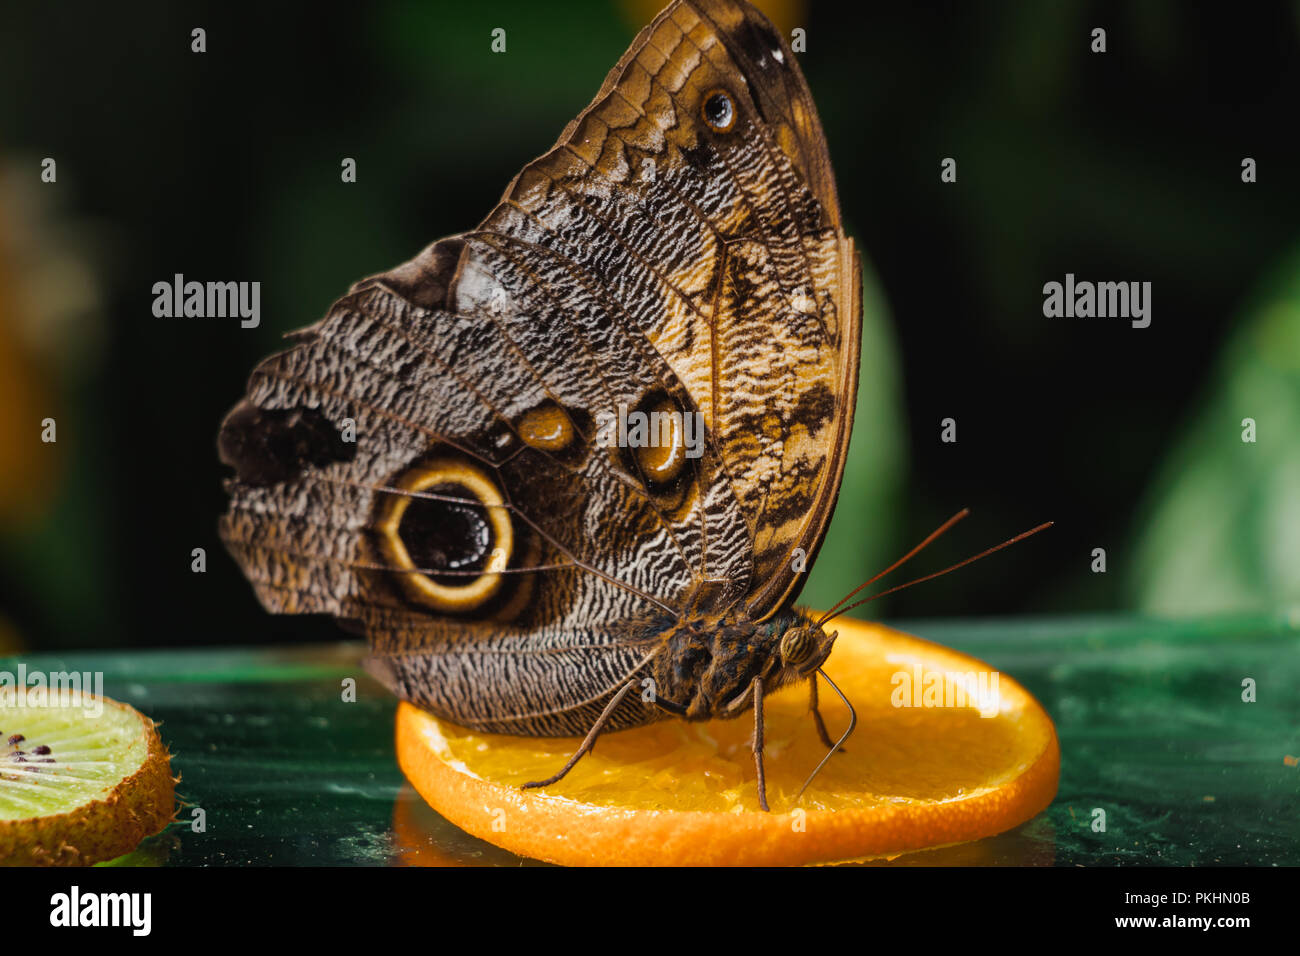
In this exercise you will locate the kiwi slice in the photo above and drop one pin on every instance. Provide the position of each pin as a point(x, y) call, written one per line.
point(82, 779)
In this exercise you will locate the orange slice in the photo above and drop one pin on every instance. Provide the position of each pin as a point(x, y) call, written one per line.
point(946, 751)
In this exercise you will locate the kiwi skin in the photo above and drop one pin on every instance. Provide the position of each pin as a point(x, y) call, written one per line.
point(138, 807)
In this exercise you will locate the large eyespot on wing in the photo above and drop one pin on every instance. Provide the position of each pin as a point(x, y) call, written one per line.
point(447, 525)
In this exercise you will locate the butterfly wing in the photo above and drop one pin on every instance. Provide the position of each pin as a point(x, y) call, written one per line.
point(588, 548)
point(512, 567)
point(727, 248)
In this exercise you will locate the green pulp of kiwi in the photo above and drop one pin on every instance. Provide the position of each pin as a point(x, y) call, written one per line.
point(82, 779)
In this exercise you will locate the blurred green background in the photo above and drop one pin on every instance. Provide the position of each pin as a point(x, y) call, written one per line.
point(1122, 166)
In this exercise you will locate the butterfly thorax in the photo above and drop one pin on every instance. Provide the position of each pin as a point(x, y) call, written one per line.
point(706, 666)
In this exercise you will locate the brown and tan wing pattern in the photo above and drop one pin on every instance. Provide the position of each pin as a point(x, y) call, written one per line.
point(725, 246)
point(590, 550)
point(427, 460)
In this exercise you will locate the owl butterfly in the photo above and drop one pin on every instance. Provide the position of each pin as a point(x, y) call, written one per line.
point(518, 565)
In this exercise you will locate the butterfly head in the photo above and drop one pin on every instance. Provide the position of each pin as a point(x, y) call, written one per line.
point(805, 646)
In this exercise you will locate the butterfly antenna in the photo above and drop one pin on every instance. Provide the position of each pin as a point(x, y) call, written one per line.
point(853, 722)
point(929, 577)
point(833, 612)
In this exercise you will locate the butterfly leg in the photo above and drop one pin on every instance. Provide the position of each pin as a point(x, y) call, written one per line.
point(677, 710)
point(758, 744)
point(589, 741)
point(817, 714)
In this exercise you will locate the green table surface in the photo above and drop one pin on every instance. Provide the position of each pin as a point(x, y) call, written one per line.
point(1152, 726)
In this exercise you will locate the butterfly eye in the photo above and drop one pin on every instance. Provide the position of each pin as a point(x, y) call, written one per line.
point(796, 645)
point(719, 111)
point(446, 535)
